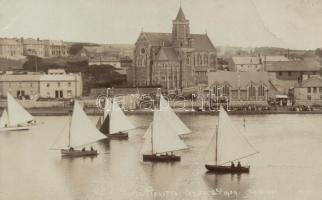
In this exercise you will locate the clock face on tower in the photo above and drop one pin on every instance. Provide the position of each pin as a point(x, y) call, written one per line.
point(142, 50)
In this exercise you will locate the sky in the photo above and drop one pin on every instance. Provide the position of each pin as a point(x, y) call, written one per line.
point(249, 23)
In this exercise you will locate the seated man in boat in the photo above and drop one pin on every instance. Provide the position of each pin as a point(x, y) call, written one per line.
point(238, 164)
point(71, 149)
point(83, 149)
point(92, 148)
point(232, 165)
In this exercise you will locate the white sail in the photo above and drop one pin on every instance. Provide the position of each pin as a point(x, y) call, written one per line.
point(17, 114)
point(173, 120)
point(82, 130)
point(62, 141)
point(147, 145)
point(231, 145)
point(118, 120)
point(4, 120)
point(107, 107)
point(162, 138)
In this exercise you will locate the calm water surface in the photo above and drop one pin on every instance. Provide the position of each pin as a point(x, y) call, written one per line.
point(289, 165)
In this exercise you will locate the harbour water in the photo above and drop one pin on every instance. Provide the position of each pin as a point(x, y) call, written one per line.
point(289, 165)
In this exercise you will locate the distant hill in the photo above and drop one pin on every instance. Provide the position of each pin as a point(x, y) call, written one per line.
point(229, 51)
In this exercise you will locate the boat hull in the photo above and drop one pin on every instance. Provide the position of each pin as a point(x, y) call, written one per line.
point(20, 128)
point(78, 153)
point(226, 169)
point(120, 136)
point(161, 158)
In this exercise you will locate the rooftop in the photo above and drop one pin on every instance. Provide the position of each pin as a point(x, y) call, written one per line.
point(302, 65)
point(237, 79)
point(167, 53)
point(201, 41)
point(242, 60)
point(314, 81)
point(180, 16)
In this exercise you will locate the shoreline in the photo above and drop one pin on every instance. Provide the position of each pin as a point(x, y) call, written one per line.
point(96, 112)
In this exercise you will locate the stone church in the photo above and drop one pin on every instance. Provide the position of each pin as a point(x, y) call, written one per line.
point(176, 60)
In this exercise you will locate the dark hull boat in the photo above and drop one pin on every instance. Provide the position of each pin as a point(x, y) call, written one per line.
point(81, 132)
point(227, 145)
point(109, 124)
point(78, 153)
point(161, 158)
point(121, 136)
point(226, 169)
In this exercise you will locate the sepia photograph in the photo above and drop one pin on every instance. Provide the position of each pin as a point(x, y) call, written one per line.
point(162, 99)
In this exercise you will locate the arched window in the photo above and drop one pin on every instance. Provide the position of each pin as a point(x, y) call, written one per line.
point(251, 91)
point(226, 90)
point(216, 90)
point(261, 91)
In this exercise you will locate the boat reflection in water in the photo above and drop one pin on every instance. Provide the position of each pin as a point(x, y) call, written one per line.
point(227, 186)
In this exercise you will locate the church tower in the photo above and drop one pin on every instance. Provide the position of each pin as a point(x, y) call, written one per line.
point(180, 30)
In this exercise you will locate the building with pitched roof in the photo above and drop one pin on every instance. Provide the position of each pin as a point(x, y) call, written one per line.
point(174, 60)
point(240, 88)
point(54, 85)
point(253, 63)
point(285, 74)
point(308, 91)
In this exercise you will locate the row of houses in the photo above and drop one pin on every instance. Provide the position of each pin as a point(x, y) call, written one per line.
point(19, 47)
point(297, 82)
point(54, 84)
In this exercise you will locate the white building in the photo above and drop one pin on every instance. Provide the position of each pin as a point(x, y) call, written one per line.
point(36, 85)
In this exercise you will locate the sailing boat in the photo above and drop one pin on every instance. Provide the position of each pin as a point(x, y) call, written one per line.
point(17, 118)
point(115, 123)
point(173, 120)
point(227, 145)
point(81, 132)
point(160, 139)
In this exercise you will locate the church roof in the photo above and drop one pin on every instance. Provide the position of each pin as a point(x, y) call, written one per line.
point(158, 39)
point(180, 15)
point(167, 54)
point(201, 41)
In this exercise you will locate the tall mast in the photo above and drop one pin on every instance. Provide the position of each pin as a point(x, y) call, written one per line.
point(70, 123)
point(216, 154)
point(159, 98)
point(152, 136)
point(216, 150)
point(109, 118)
